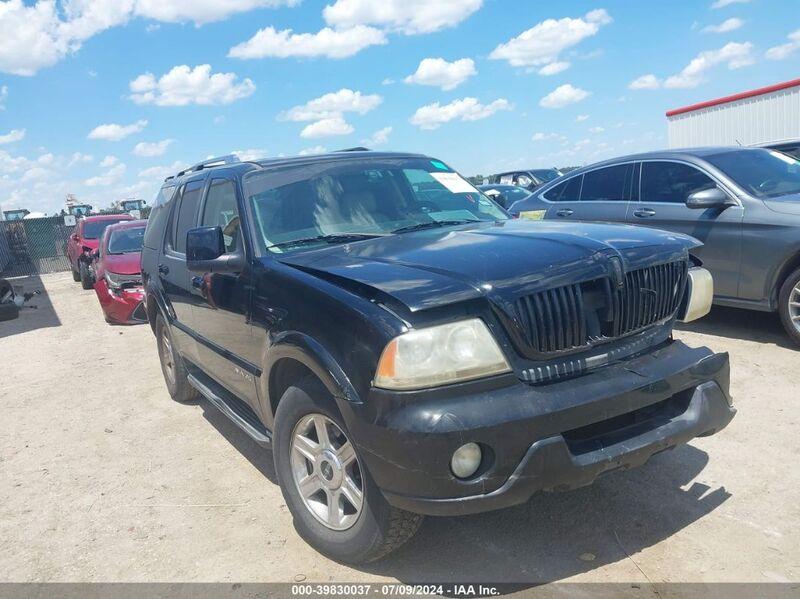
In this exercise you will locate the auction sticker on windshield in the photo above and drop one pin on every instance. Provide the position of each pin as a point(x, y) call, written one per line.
point(533, 214)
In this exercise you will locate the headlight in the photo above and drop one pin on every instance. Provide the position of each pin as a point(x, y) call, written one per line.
point(439, 355)
point(118, 281)
point(699, 295)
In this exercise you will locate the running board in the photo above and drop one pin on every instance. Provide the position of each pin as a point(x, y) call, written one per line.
point(234, 408)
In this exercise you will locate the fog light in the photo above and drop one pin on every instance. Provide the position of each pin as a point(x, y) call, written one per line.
point(466, 460)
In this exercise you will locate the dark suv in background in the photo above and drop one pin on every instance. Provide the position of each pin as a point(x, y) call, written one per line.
point(530, 179)
point(743, 204)
point(405, 348)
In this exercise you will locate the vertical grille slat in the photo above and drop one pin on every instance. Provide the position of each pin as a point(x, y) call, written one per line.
point(555, 320)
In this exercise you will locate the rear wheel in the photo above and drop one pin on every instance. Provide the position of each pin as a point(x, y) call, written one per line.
point(76, 276)
point(336, 506)
point(789, 306)
point(87, 281)
point(8, 312)
point(173, 366)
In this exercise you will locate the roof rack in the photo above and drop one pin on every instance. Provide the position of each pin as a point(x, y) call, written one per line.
point(356, 149)
point(210, 163)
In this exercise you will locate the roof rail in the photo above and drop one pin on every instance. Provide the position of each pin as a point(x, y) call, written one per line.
point(210, 163)
point(356, 149)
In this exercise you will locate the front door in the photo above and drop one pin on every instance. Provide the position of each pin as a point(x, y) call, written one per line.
point(226, 346)
point(665, 186)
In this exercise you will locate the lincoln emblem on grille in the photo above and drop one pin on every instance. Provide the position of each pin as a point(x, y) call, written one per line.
point(617, 274)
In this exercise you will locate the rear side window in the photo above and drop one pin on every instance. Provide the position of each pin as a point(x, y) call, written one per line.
point(671, 182)
point(186, 215)
point(154, 233)
point(221, 211)
point(568, 191)
point(607, 184)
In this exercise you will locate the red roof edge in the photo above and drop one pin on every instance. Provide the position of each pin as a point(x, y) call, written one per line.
point(741, 96)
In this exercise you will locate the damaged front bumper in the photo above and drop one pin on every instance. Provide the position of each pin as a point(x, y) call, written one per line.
point(121, 306)
point(551, 437)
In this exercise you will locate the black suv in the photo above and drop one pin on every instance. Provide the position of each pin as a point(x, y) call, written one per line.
point(406, 348)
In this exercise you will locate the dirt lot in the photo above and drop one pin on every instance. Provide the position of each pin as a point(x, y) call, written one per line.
point(104, 478)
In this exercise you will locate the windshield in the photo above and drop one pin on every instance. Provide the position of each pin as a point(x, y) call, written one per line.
point(126, 241)
point(94, 229)
point(338, 201)
point(762, 173)
point(546, 175)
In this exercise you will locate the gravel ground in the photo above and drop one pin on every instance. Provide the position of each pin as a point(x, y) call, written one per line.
point(104, 478)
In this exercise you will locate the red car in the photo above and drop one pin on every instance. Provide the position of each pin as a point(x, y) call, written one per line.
point(119, 275)
point(84, 240)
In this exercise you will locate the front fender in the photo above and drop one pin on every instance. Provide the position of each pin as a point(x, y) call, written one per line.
point(306, 350)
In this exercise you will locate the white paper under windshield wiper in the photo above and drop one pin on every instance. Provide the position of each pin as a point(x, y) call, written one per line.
point(331, 238)
point(435, 223)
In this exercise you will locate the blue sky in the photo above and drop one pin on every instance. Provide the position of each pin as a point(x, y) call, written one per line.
point(102, 98)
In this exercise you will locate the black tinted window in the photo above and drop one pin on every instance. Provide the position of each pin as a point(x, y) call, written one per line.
point(154, 233)
point(606, 184)
point(568, 191)
point(186, 215)
point(221, 211)
point(671, 182)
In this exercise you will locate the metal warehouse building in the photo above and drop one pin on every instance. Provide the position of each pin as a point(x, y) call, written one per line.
point(758, 116)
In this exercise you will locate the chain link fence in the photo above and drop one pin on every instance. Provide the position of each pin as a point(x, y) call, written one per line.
point(34, 246)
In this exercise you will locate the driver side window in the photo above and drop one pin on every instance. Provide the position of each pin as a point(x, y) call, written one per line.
point(221, 211)
point(672, 182)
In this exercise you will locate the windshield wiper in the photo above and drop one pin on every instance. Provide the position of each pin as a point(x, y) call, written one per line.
point(435, 223)
point(332, 238)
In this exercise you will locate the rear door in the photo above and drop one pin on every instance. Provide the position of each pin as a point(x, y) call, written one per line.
point(226, 346)
point(664, 187)
point(172, 271)
point(599, 195)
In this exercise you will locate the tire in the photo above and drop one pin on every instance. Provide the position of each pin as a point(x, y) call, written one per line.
point(378, 528)
point(86, 277)
point(8, 312)
point(172, 366)
point(76, 276)
point(789, 306)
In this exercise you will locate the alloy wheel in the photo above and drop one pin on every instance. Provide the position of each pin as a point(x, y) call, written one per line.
point(326, 472)
point(794, 306)
point(168, 358)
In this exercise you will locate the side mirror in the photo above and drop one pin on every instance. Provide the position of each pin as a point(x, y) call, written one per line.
point(708, 198)
point(205, 251)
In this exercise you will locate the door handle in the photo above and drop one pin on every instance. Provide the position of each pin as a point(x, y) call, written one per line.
point(644, 212)
point(564, 212)
point(163, 269)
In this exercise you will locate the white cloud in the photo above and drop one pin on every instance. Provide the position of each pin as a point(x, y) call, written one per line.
point(201, 11)
point(564, 95)
point(78, 158)
point(379, 138)
point(547, 137)
point(38, 35)
point(162, 172)
point(12, 136)
point(785, 50)
point(108, 161)
point(250, 154)
point(581, 117)
point(410, 17)
point(440, 73)
point(327, 127)
point(648, 81)
point(3, 96)
point(150, 149)
point(726, 26)
point(432, 116)
point(553, 68)
point(734, 55)
point(541, 45)
point(724, 3)
point(184, 85)
point(312, 151)
point(110, 177)
point(331, 43)
point(115, 132)
point(331, 105)
point(597, 130)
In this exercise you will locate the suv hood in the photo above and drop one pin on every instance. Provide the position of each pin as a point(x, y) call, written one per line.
point(503, 260)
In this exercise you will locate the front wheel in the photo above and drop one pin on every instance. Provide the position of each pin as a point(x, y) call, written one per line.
point(336, 506)
point(85, 276)
point(172, 366)
point(789, 306)
point(76, 276)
